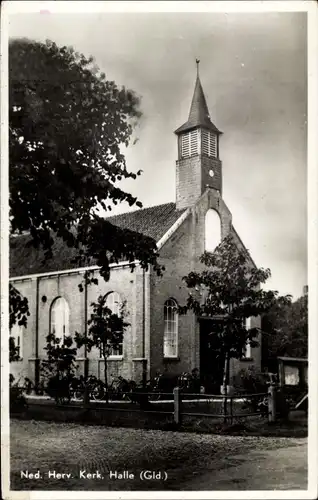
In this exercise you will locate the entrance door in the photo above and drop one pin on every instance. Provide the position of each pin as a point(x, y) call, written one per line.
point(211, 361)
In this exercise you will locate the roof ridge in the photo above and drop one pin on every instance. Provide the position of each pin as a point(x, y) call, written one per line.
point(138, 210)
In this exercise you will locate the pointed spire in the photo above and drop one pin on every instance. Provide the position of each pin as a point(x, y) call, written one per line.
point(199, 112)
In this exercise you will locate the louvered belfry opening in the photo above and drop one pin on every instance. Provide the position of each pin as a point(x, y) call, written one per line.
point(190, 143)
point(198, 141)
point(209, 143)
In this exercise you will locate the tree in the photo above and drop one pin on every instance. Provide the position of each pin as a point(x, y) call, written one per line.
point(67, 127)
point(106, 331)
point(229, 287)
point(286, 328)
point(59, 367)
point(18, 313)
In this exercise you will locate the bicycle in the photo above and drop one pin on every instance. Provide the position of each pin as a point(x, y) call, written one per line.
point(120, 388)
point(92, 385)
point(153, 386)
point(184, 382)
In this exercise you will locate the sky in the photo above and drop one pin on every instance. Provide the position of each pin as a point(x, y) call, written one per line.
point(254, 75)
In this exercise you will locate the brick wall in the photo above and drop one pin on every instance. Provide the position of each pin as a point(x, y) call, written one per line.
point(180, 254)
point(192, 178)
point(176, 256)
point(127, 284)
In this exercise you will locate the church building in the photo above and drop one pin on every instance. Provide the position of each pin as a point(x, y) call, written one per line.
point(157, 338)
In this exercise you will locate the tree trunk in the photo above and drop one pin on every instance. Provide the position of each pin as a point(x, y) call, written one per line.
point(226, 372)
point(105, 376)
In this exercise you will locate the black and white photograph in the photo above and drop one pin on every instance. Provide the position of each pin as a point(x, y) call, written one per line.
point(156, 250)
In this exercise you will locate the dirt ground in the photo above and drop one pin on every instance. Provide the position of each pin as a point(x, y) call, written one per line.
point(185, 461)
point(277, 469)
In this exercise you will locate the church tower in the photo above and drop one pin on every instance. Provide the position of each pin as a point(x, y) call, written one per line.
point(198, 164)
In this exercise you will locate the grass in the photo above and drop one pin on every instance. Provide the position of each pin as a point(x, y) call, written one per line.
point(69, 448)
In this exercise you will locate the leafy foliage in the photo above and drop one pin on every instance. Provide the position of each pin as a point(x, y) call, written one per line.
point(286, 326)
point(251, 380)
point(106, 330)
point(19, 308)
point(18, 402)
point(61, 355)
point(59, 367)
point(229, 288)
point(13, 350)
point(18, 313)
point(67, 127)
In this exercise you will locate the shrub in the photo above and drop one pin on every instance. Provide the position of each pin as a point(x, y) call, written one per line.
point(250, 381)
point(18, 402)
point(59, 368)
point(58, 388)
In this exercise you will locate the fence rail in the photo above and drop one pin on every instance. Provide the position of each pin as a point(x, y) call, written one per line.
point(181, 404)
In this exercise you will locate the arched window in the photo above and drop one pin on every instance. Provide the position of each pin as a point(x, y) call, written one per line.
point(60, 316)
point(114, 303)
point(170, 340)
point(212, 230)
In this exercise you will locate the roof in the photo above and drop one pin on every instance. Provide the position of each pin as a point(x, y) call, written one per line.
point(26, 260)
point(199, 113)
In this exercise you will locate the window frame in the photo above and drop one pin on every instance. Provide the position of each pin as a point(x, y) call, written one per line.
point(210, 229)
point(66, 319)
point(176, 332)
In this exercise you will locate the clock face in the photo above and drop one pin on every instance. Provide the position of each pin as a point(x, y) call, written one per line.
point(211, 173)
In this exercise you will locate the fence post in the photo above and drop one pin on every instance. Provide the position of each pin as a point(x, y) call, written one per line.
point(225, 408)
point(231, 409)
point(272, 400)
point(86, 401)
point(177, 405)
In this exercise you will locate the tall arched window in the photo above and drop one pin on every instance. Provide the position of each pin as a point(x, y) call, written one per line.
point(170, 339)
point(114, 303)
point(60, 316)
point(212, 230)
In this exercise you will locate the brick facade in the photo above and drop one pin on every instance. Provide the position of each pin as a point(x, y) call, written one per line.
point(192, 178)
point(143, 292)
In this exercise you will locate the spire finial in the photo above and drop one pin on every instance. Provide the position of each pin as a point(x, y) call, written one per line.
point(197, 63)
